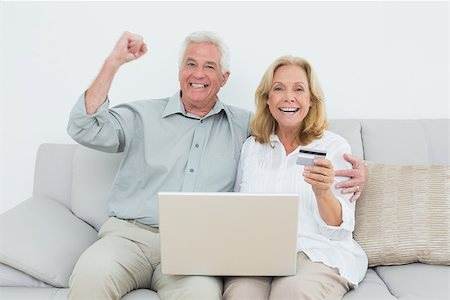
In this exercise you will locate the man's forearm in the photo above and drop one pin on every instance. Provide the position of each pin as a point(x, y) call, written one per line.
point(97, 93)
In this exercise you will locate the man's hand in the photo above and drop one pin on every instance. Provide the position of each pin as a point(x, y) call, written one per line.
point(129, 47)
point(358, 177)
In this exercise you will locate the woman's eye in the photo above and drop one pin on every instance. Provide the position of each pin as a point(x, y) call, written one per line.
point(277, 88)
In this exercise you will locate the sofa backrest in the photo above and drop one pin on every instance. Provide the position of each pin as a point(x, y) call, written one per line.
point(53, 172)
point(407, 142)
point(93, 174)
point(81, 178)
point(351, 131)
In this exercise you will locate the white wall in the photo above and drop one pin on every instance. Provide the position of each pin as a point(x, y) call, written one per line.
point(375, 60)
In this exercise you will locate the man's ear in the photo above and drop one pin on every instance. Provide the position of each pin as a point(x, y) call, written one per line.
point(225, 78)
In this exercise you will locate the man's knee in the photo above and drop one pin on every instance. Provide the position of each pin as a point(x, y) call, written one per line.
point(237, 288)
point(109, 270)
point(188, 287)
point(92, 277)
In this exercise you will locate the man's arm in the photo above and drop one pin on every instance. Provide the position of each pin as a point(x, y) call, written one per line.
point(358, 177)
point(129, 47)
point(91, 122)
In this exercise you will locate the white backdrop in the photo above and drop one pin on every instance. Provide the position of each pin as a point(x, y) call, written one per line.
point(375, 60)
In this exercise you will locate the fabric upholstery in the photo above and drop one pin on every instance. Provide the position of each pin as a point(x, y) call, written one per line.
point(42, 238)
point(53, 172)
point(438, 139)
point(407, 142)
point(21, 293)
point(371, 288)
point(13, 277)
point(18, 293)
point(141, 294)
point(93, 174)
point(417, 281)
point(403, 215)
point(351, 131)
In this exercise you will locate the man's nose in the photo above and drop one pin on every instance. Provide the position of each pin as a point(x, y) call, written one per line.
point(199, 72)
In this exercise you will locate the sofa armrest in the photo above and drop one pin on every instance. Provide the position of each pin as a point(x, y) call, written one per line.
point(42, 238)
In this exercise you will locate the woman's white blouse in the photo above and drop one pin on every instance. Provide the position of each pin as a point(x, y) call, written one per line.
point(266, 169)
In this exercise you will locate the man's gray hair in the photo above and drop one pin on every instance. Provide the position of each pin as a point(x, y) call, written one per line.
point(210, 38)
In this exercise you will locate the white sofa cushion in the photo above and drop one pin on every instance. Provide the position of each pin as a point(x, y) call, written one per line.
point(53, 172)
point(403, 215)
point(406, 142)
point(93, 174)
point(141, 294)
point(370, 288)
point(417, 281)
point(351, 131)
point(20, 293)
point(41, 237)
point(13, 277)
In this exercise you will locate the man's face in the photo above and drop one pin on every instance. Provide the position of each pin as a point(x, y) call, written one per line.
point(201, 77)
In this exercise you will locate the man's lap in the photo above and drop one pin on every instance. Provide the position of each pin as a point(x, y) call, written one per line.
point(127, 257)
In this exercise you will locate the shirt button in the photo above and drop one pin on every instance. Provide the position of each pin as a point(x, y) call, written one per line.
point(201, 121)
point(196, 145)
point(191, 170)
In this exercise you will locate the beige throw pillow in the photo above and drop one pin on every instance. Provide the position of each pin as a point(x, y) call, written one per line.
point(403, 215)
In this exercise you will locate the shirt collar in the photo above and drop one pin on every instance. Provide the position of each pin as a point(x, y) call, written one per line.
point(175, 105)
point(274, 138)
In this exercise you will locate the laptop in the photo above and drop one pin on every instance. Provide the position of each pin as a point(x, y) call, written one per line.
point(228, 234)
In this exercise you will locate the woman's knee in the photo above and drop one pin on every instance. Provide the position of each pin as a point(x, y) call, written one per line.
point(305, 288)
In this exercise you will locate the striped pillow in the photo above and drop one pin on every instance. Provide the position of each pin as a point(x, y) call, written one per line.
point(403, 215)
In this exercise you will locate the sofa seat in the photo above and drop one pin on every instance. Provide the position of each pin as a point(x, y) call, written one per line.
point(25, 293)
point(406, 282)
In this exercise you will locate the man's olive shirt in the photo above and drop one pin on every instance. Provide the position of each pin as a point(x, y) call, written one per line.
point(164, 149)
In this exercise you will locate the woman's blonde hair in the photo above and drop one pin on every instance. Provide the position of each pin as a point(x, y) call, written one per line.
point(314, 123)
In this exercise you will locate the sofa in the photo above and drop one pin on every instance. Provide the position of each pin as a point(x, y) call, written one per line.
point(43, 236)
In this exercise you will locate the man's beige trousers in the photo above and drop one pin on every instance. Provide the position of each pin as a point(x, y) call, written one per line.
point(127, 256)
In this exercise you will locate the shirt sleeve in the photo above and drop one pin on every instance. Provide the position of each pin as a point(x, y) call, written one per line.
point(343, 231)
point(102, 130)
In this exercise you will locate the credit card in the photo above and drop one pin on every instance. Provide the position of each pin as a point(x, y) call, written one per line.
point(306, 156)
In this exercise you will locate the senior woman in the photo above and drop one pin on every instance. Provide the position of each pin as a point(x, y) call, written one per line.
point(290, 114)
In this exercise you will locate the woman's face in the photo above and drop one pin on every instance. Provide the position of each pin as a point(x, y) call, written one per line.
point(289, 97)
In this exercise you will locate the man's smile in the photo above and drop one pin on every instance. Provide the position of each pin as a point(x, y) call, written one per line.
point(198, 85)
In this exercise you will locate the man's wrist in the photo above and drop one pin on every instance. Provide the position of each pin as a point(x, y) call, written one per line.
point(112, 64)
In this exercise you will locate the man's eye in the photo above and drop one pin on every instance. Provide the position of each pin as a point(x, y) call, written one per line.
point(190, 64)
point(210, 67)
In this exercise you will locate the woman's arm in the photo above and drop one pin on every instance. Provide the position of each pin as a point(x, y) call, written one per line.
point(321, 178)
